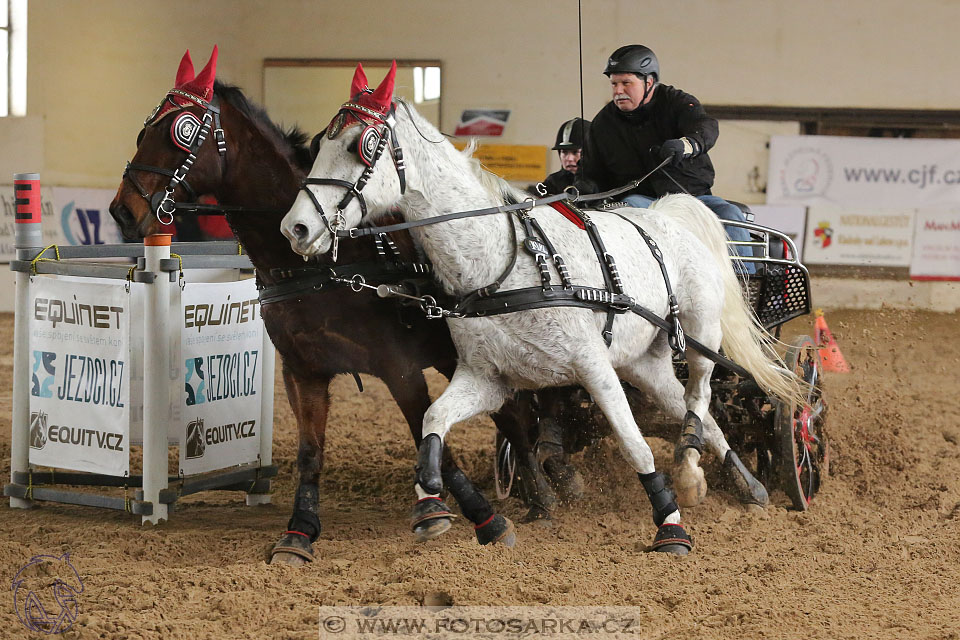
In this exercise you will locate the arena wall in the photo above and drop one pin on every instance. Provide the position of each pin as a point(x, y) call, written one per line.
point(96, 69)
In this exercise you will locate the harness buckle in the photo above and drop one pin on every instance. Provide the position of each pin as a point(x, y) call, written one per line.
point(221, 141)
point(431, 308)
point(357, 282)
point(162, 208)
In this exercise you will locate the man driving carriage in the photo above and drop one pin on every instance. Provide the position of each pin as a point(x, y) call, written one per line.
point(646, 123)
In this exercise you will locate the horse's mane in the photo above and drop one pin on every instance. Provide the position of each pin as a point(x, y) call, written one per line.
point(494, 184)
point(293, 141)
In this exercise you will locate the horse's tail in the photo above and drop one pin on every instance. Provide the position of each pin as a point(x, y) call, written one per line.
point(744, 341)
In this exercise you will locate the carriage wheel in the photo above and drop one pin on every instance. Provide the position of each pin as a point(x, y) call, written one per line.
point(799, 430)
point(504, 467)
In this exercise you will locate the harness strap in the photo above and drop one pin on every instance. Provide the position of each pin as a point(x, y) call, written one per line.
point(164, 172)
point(358, 232)
point(627, 187)
point(352, 192)
point(675, 334)
point(537, 244)
point(557, 258)
point(538, 298)
point(298, 282)
point(602, 256)
point(491, 288)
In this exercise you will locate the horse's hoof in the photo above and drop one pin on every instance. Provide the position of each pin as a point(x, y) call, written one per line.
point(690, 485)
point(536, 514)
point(749, 489)
point(430, 518)
point(293, 549)
point(672, 538)
point(497, 529)
point(566, 479)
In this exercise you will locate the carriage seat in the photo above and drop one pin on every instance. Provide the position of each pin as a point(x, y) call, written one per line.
point(777, 248)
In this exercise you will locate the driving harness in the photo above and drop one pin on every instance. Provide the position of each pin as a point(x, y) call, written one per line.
point(489, 300)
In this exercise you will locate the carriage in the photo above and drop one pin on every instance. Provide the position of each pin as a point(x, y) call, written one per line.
point(785, 442)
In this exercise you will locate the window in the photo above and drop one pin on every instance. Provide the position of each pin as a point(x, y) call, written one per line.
point(13, 58)
point(426, 84)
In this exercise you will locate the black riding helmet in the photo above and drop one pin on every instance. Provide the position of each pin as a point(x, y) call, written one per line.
point(633, 58)
point(572, 133)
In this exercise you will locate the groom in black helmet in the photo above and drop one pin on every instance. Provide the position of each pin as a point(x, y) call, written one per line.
point(569, 145)
point(647, 123)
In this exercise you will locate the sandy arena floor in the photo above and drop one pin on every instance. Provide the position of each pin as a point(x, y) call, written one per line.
point(877, 555)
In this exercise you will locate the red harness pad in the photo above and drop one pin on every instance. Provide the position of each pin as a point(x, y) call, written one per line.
point(568, 213)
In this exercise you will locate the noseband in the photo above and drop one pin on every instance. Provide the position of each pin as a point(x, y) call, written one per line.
point(371, 145)
point(189, 134)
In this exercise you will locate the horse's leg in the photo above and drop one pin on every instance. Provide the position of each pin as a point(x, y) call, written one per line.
point(431, 517)
point(750, 491)
point(466, 396)
point(555, 411)
point(653, 374)
point(601, 381)
point(310, 400)
point(517, 420)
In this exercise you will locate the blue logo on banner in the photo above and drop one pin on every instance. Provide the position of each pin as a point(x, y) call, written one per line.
point(43, 381)
point(45, 594)
point(86, 222)
point(195, 394)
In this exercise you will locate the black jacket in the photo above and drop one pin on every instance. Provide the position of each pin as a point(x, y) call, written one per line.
point(557, 182)
point(618, 149)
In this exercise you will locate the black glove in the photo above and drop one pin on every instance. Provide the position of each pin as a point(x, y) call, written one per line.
point(585, 186)
point(674, 150)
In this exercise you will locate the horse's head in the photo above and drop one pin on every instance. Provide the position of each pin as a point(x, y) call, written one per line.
point(171, 146)
point(350, 179)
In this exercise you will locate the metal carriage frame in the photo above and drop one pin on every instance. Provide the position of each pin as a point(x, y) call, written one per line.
point(786, 443)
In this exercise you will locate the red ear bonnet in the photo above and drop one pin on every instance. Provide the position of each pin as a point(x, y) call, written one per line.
point(381, 98)
point(202, 85)
point(359, 82)
point(185, 73)
point(197, 85)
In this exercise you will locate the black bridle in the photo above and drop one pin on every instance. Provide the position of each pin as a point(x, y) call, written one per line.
point(162, 203)
point(371, 145)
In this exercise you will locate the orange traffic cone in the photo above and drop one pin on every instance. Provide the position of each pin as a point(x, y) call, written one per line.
point(830, 354)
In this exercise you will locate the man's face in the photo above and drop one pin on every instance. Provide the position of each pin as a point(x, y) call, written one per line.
point(628, 90)
point(570, 159)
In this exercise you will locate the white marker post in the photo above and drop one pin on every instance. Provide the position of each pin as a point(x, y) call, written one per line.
point(156, 367)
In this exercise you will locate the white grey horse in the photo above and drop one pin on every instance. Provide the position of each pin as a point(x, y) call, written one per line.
point(552, 346)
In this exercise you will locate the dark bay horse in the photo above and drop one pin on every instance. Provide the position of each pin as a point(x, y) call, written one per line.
point(318, 333)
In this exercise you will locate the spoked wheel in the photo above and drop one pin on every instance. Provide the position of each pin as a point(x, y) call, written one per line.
point(799, 429)
point(504, 468)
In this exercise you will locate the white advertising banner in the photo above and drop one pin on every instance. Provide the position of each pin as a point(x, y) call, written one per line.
point(79, 393)
point(936, 246)
point(788, 219)
point(892, 173)
point(70, 217)
point(221, 345)
point(858, 237)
